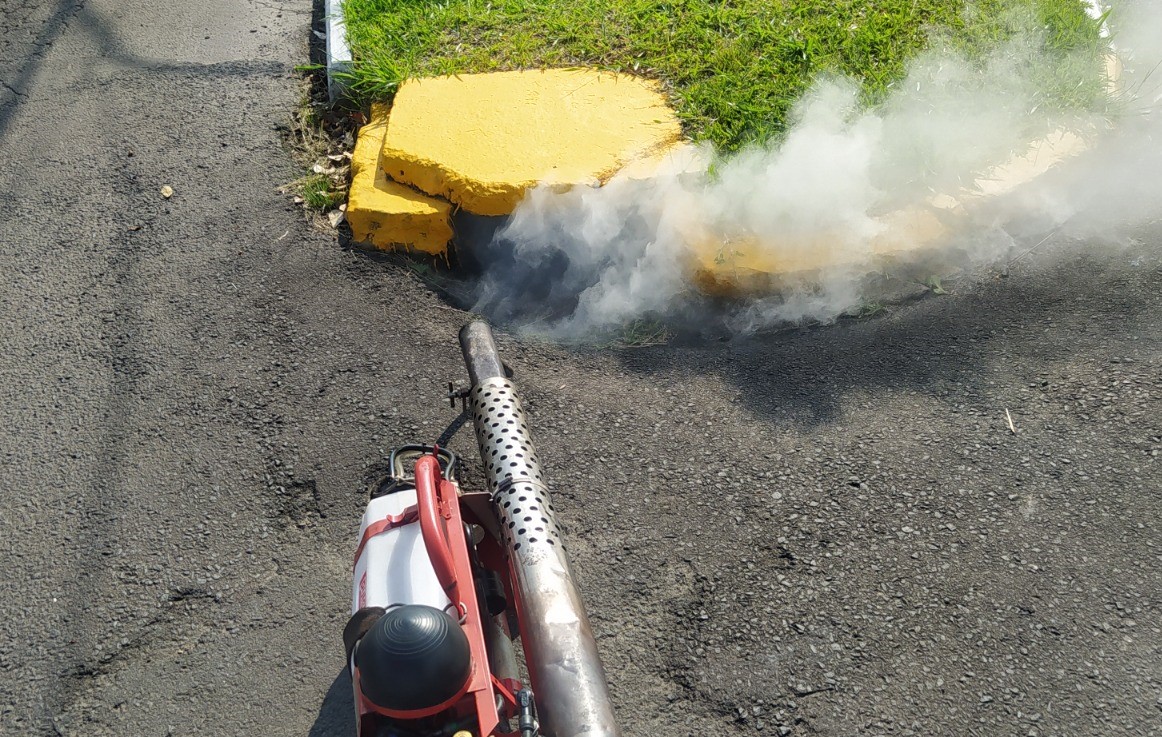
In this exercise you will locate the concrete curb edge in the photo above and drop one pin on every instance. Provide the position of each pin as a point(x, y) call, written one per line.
point(338, 52)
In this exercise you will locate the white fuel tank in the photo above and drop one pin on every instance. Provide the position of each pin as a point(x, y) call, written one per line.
point(393, 566)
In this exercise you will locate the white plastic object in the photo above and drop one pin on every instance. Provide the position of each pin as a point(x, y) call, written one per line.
point(394, 567)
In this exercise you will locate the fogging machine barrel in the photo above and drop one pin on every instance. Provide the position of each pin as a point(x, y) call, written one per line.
point(568, 681)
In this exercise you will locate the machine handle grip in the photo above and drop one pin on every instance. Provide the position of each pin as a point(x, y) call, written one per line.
point(433, 530)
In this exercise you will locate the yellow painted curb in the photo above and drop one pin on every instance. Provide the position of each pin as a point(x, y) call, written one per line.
point(747, 265)
point(726, 265)
point(386, 214)
point(483, 140)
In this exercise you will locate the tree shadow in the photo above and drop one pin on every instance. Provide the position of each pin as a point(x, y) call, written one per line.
point(17, 87)
point(1025, 323)
point(1041, 315)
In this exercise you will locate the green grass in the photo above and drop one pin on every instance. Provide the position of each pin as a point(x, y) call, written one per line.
point(319, 192)
point(733, 68)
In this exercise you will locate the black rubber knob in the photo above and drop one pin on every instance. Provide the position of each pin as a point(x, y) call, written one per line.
point(415, 657)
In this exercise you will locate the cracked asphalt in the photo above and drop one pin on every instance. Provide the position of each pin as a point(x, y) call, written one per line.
point(817, 532)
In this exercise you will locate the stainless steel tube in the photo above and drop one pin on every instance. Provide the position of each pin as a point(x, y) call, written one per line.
point(568, 681)
point(480, 354)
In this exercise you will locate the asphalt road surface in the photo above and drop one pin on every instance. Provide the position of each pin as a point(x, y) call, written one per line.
point(826, 532)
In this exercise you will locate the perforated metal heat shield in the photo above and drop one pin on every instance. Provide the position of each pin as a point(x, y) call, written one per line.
point(567, 677)
point(513, 471)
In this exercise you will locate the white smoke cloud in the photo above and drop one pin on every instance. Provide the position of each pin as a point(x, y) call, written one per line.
point(591, 259)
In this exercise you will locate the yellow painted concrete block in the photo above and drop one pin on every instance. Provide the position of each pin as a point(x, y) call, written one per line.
point(750, 265)
point(482, 140)
point(387, 214)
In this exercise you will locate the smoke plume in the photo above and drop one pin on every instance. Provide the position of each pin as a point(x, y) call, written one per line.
point(843, 180)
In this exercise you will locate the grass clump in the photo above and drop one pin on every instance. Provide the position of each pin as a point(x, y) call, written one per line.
point(319, 192)
point(733, 67)
point(320, 139)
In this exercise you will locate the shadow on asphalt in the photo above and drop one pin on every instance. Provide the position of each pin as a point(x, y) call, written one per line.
point(98, 29)
point(337, 713)
point(803, 375)
point(18, 86)
point(1025, 323)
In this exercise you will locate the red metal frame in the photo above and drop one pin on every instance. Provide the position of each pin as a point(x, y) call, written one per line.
point(433, 506)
